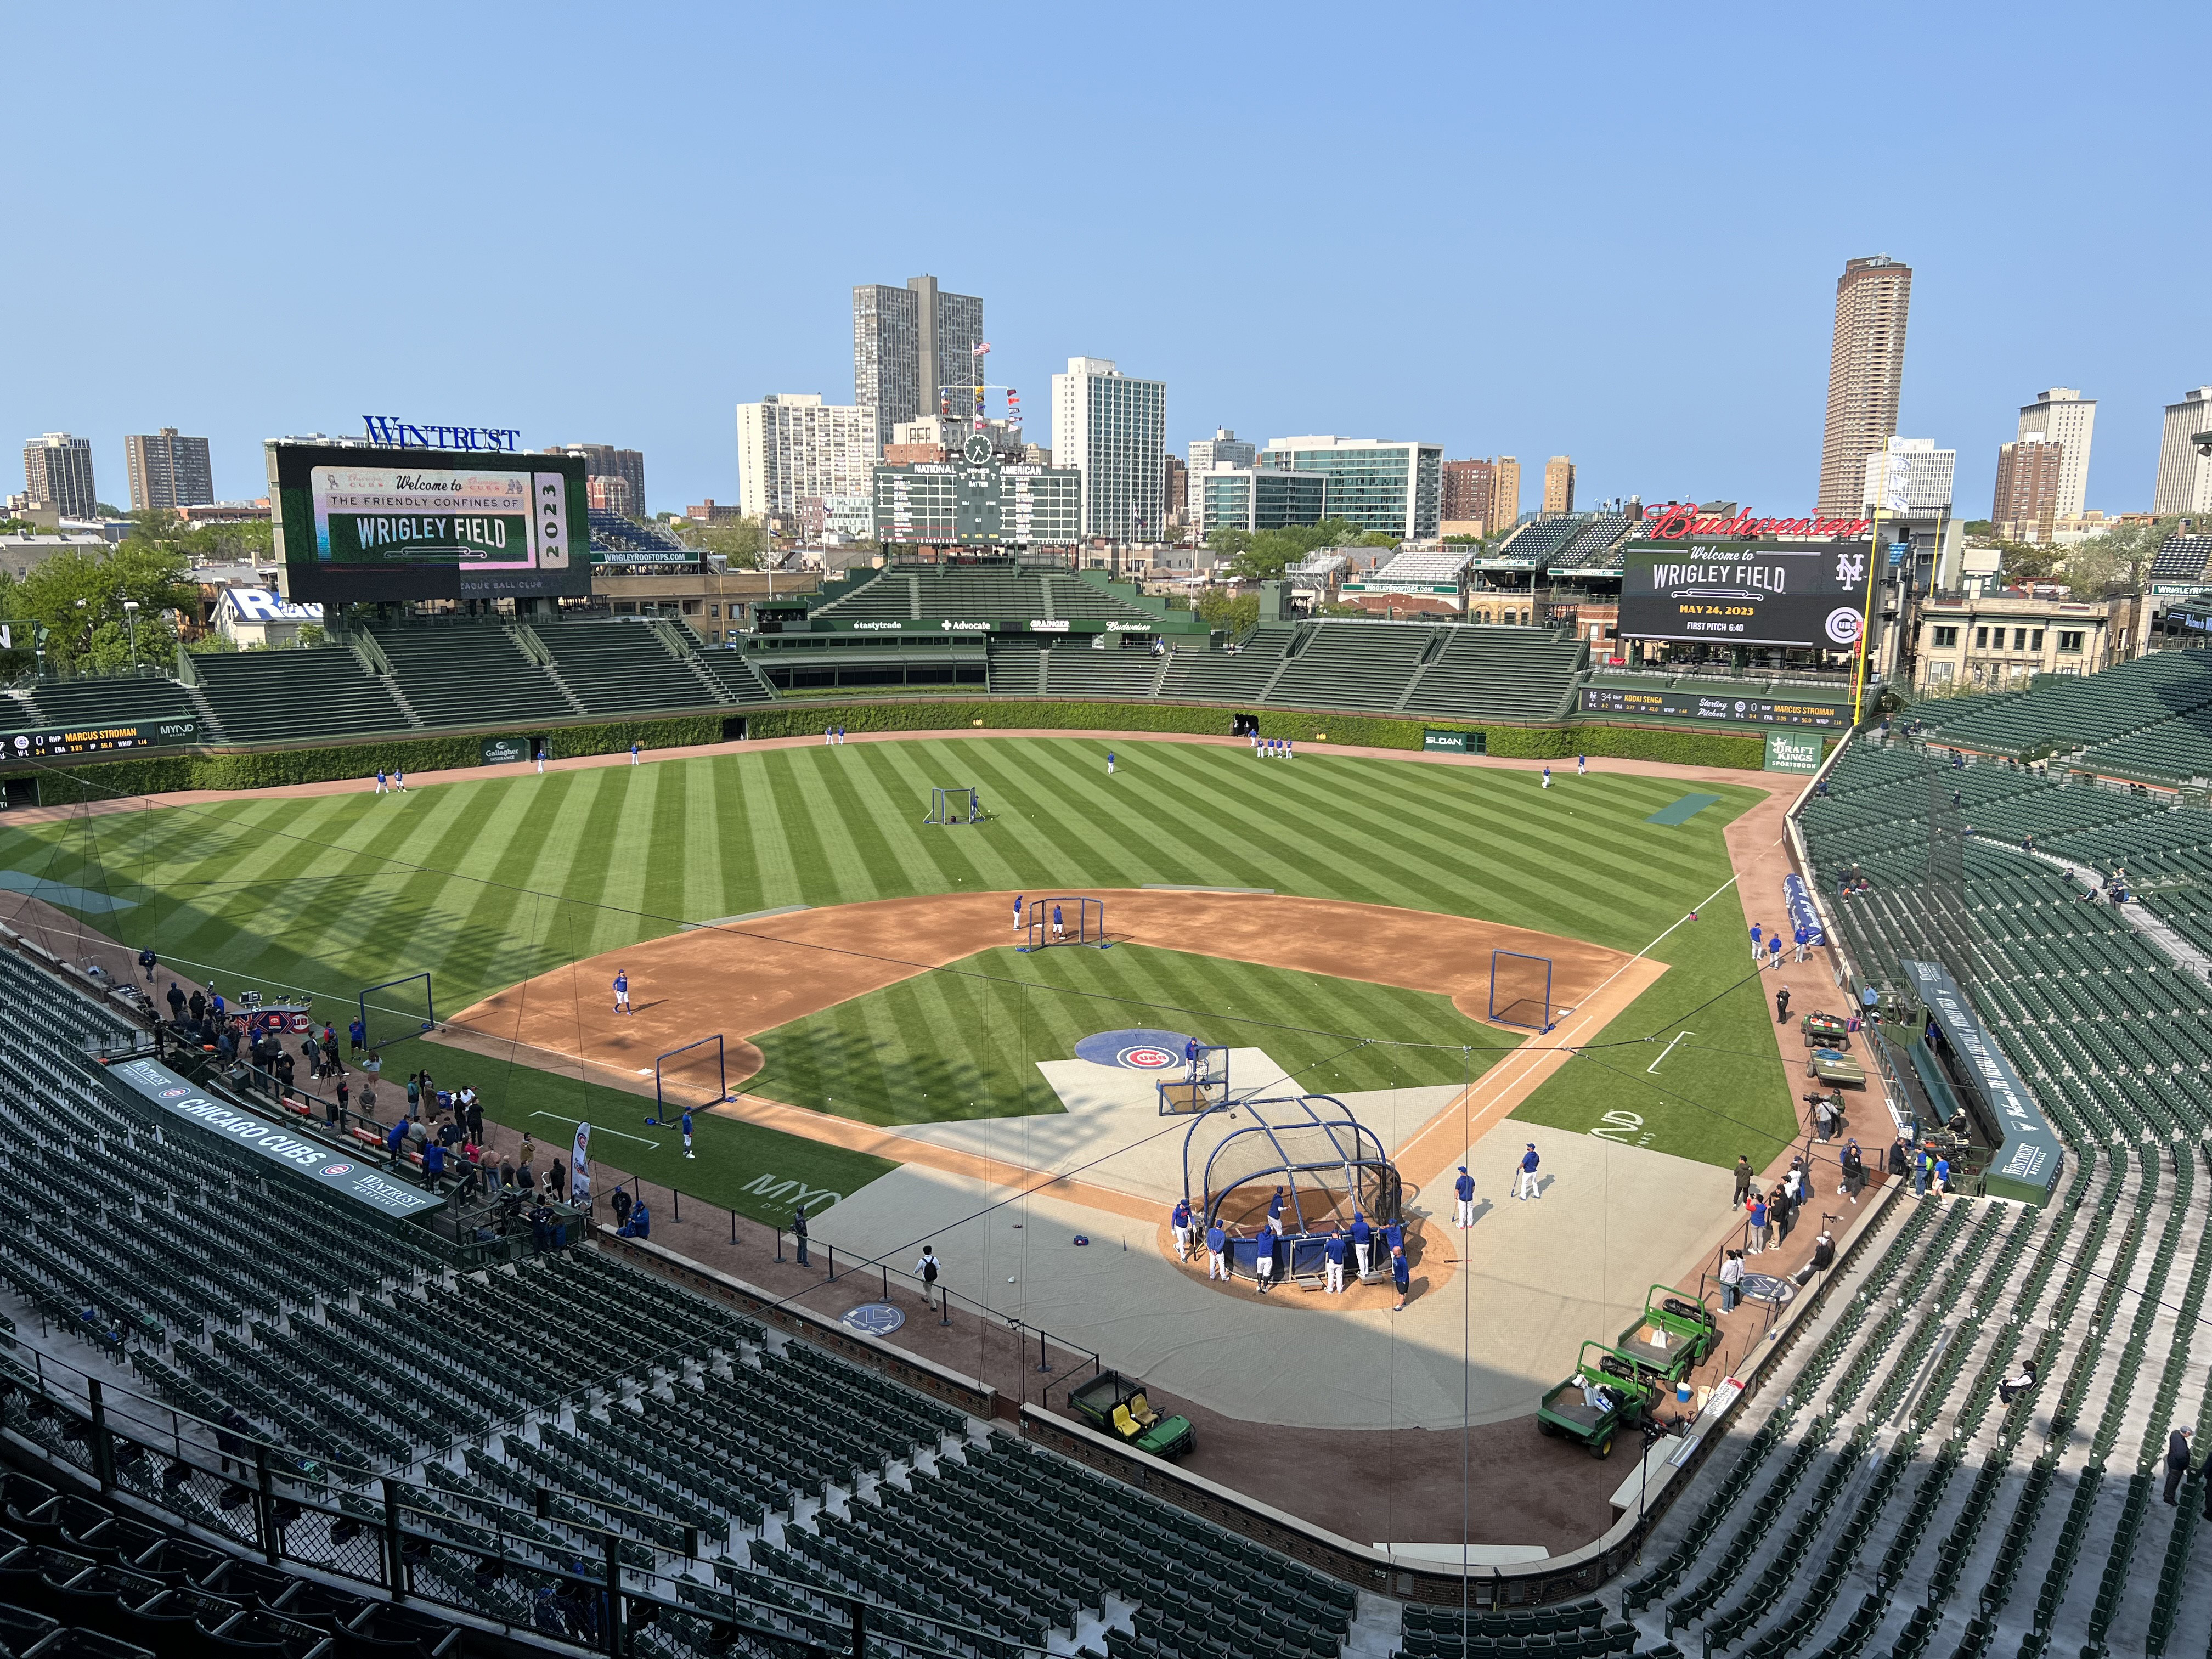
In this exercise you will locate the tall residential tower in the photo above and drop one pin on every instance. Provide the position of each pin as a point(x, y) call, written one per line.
point(2185, 478)
point(168, 471)
point(2063, 415)
point(1113, 427)
point(57, 473)
point(1866, 368)
point(913, 351)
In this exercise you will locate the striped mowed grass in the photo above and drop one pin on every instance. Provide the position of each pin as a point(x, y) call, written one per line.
point(486, 884)
point(964, 1041)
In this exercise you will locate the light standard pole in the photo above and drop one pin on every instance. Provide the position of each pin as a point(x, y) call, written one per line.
point(130, 616)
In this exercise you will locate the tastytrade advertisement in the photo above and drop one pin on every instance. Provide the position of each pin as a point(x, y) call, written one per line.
point(368, 524)
point(1806, 594)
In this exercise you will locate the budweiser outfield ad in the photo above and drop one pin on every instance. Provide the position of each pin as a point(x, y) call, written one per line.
point(1736, 581)
point(370, 524)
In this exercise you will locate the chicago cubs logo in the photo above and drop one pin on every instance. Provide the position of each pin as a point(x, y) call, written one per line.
point(1843, 626)
point(338, 1169)
point(1146, 1058)
point(173, 1094)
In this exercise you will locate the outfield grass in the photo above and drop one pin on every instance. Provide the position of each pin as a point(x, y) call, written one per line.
point(966, 1044)
point(485, 883)
point(740, 1166)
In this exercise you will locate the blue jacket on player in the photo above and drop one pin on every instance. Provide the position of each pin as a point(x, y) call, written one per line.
point(1395, 1235)
point(1361, 1232)
point(1464, 1187)
point(1216, 1240)
point(687, 1120)
point(1332, 1249)
point(1529, 1160)
point(1181, 1218)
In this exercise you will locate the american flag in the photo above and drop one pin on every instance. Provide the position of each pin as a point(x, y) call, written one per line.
point(981, 346)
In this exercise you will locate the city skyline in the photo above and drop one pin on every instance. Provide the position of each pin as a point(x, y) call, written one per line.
point(1738, 336)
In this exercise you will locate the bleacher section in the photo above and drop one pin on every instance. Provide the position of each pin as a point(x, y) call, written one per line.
point(1596, 544)
point(276, 697)
point(1352, 664)
point(621, 667)
point(734, 675)
point(749, 1480)
point(1078, 672)
point(2181, 559)
point(1499, 673)
point(456, 674)
point(1890, 1502)
point(1232, 676)
point(1535, 544)
point(928, 592)
point(108, 701)
point(2064, 715)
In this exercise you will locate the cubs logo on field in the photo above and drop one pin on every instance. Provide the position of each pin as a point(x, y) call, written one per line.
point(1135, 1051)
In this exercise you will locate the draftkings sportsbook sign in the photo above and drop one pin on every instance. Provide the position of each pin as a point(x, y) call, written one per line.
point(328, 1168)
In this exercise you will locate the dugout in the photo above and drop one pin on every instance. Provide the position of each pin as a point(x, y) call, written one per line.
point(1327, 1161)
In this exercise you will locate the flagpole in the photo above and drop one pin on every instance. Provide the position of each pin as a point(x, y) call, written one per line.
point(1866, 608)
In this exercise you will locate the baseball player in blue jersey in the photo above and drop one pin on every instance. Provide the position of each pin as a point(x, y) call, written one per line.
point(622, 991)
point(1464, 1190)
point(687, 1132)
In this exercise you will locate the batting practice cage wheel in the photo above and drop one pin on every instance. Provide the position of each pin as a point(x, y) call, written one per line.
point(955, 806)
point(1521, 990)
point(1083, 921)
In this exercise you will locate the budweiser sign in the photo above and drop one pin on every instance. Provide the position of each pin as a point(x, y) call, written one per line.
point(1678, 521)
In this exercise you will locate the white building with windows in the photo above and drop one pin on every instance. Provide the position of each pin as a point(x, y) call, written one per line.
point(1223, 448)
point(1909, 477)
point(791, 445)
point(2062, 415)
point(2185, 478)
point(1112, 427)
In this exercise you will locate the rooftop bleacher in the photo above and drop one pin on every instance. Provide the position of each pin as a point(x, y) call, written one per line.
point(1597, 544)
point(611, 532)
point(2180, 559)
point(1432, 565)
point(1534, 543)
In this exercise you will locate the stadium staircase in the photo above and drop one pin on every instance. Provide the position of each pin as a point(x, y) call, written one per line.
point(1890, 1502)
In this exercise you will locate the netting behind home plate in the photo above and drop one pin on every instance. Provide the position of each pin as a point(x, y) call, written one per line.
point(1327, 1161)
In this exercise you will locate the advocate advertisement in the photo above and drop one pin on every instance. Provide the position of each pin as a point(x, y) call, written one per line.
point(1746, 593)
point(363, 524)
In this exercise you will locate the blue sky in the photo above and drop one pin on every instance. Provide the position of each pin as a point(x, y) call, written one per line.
point(1610, 232)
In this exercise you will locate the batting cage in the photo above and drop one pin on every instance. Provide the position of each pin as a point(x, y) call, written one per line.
point(960, 805)
point(1309, 1149)
point(696, 1076)
point(397, 1009)
point(1521, 990)
point(1067, 921)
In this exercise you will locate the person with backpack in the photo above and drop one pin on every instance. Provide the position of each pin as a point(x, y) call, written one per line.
point(926, 1270)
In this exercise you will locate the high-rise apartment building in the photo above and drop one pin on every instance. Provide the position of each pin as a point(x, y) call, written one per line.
point(1558, 487)
point(168, 471)
point(1505, 494)
point(605, 461)
point(1469, 496)
point(1258, 498)
point(913, 351)
point(1112, 427)
point(2030, 475)
point(790, 445)
point(2185, 478)
point(2063, 416)
point(1223, 448)
point(1174, 490)
point(57, 473)
point(1908, 478)
point(1376, 483)
point(1866, 368)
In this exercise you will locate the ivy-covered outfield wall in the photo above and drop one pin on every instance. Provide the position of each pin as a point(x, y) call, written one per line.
point(264, 769)
point(1366, 731)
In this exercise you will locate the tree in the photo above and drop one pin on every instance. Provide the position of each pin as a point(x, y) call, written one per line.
point(739, 541)
point(1266, 554)
point(2119, 558)
point(1225, 608)
point(1228, 541)
point(1463, 541)
point(1377, 538)
point(2027, 561)
point(79, 597)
